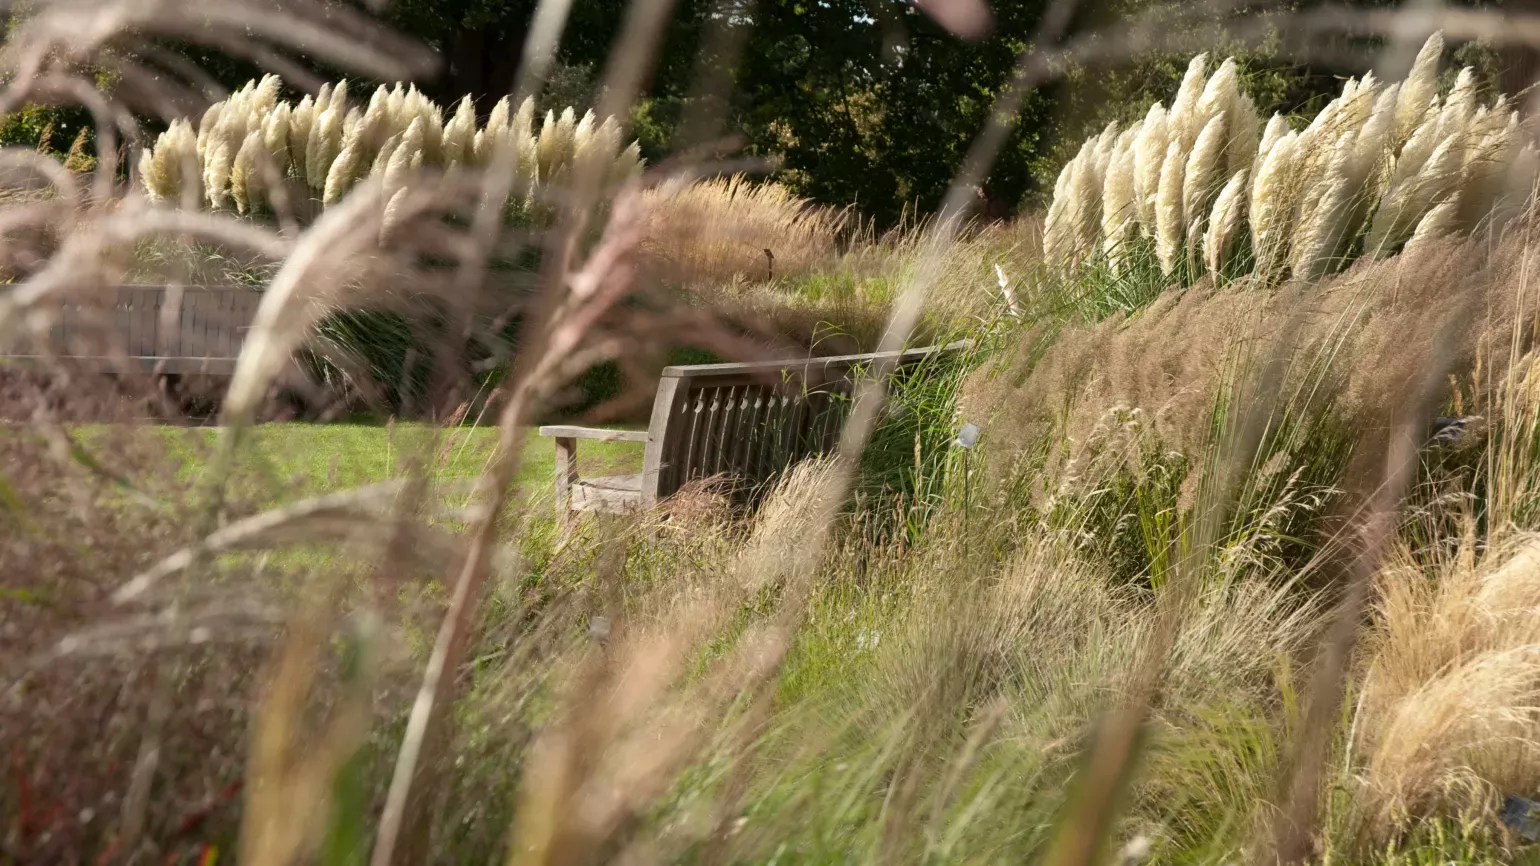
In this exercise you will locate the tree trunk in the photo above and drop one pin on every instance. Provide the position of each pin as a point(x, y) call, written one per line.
point(482, 62)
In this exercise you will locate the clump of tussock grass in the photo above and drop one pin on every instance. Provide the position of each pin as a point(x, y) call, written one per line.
point(717, 231)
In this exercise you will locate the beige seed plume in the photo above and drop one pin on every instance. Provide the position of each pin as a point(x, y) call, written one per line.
point(460, 135)
point(172, 164)
point(1460, 105)
point(1241, 150)
point(1183, 124)
point(1518, 186)
point(1486, 163)
point(1225, 221)
point(1057, 235)
point(1276, 127)
point(243, 171)
point(1412, 197)
point(300, 121)
point(216, 172)
point(1169, 226)
point(324, 145)
point(1202, 173)
point(1420, 87)
point(1436, 223)
point(1322, 225)
point(1118, 211)
point(1149, 154)
point(628, 165)
point(1272, 204)
point(1085, 215)
point(207, 125)
point(275, 136)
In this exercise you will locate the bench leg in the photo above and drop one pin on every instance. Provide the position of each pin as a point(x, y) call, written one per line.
point(566, 474)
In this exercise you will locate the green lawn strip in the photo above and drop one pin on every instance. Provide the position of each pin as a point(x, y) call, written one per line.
point(322, 458)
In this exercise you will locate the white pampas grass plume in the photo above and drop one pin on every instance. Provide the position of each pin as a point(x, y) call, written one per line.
point(322, 149)
point(404, 160)
point(344, 171)
point(1273, 193)
point(172, 165)
point(275, 136)
point(300, 121)
point(1183, 125)
point(1411, 197)
point(1436, 223)
point(1420, 87)
point(1169, 226)
point(555, 146)
point(1322, 224)
point(1084, 196)
point(523, 123)
point(265, 97)
point(1241, 149)
point(243, 171)
point(1518, 186)
point(1057, 235)
point(1219, 93)
point(392, 216)
point(460, 135)
point(498, 119)
point(1225, 221)
point(1149, 154)
point(1276, 127)
point(339, 98)
point(627, 166)
point(1118, 211)
point(1460, 104)
point(1201, 175)
point(1486, 164)
point(216, 171)
point(207, 125)
point(1372, 148)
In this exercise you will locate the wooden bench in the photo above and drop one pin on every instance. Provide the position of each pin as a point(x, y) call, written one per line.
point(745, 421)
point(186, 331)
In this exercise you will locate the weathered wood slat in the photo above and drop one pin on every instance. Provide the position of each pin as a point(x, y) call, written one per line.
point(561, 431)
point(748, 421)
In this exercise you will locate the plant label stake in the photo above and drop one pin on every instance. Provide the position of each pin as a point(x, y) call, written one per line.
point(966, 438)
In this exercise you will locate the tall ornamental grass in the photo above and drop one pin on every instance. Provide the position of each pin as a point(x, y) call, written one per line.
point(1206, 187)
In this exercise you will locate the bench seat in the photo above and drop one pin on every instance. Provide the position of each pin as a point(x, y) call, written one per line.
point(748, 422)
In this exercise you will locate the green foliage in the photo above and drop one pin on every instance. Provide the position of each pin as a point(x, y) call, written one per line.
point(48, 128)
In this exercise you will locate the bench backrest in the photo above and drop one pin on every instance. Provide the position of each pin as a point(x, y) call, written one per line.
point(186, 330)
point(750, 421)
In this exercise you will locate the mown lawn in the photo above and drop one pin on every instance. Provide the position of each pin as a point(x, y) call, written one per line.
point(300, 459)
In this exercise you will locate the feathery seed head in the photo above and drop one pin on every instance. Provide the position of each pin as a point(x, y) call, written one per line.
point(1183, 124)
point(1274, 191)
point(1118, 211)
point(1201, 175)
point(1276, 127)
point(245, 174)
point(1169, 225)
point(1149, 153)
point(1225, 221)
point(300, 121)
point(1436, 223)
point(1420, 87)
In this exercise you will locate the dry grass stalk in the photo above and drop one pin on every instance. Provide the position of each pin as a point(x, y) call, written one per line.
point(725, 229)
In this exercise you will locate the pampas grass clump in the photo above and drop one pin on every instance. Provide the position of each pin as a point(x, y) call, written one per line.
point(251, 142)
point(1378, 169)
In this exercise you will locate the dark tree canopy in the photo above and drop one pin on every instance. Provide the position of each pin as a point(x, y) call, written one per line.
point(864, 102)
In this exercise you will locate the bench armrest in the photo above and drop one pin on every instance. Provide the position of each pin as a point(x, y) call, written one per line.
point(563, 432)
